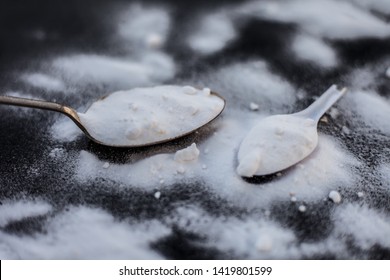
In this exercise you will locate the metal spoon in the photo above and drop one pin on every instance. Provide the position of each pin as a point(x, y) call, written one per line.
point(280, 141)
point(74, 116)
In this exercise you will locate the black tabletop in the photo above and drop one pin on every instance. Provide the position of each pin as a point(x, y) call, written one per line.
point(65, 197)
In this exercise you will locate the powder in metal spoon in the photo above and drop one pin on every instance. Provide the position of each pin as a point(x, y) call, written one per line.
point(148, 115)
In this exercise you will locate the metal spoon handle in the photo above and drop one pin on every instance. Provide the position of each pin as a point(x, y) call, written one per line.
point(323, 103)
point(44, 105)
point(25, 102)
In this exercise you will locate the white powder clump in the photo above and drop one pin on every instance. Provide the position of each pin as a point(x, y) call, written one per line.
point(335, 196)
point(276, 143)
point(253, 106)
point(366, 226)
point(190, 153)
point(11, 211)
point(382, 6)
point(373, 109)
point(314, 50)
point(146, 69)
point(253, 81)
point(144, 26)
point(345, 130)
point(65, 130)
point(214, 32)
point(157, 195)
point(302, 208)
point(249, 238)
point(82, 233)
point(57, 153)
point(348, 21)
point(334, 113)
point(149, 115)
point(384, 173)
point(44, 81)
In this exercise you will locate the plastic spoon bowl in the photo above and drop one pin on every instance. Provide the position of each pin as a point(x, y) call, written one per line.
point(281, 141)
point(75, 117)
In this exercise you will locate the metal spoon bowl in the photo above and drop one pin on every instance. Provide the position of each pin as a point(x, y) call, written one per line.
point(74, 116)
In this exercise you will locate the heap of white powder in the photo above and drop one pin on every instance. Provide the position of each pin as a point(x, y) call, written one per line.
point(150, 115)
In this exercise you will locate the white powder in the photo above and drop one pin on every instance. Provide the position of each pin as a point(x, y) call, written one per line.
point(157, 195)
point(240, 82)
point(190, 153)
point(366, 226)
point(44, 81)
point(84, 233)
point(335, 196)
point(214, 32)
point(65, 130)
point(57, 153)
point(11, 211)
point(252, 238)
point(314, 50)
point(363, 102)
point(382, 6)
point(149, 115)
point(384, 173)
point(275, 143)
point(302, 208)
point(319, 174)
point(360, 194)
point(144, 26)
point(345, 130)
point(253, 106)
point(145, 69)
point(334, 113)
point(347, 20)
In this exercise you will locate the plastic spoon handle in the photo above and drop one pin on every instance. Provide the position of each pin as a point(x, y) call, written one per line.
point(323, 103)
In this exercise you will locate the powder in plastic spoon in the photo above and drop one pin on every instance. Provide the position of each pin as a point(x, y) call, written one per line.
point(276, 143)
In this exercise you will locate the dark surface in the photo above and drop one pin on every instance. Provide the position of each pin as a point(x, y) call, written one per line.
point(83, 26)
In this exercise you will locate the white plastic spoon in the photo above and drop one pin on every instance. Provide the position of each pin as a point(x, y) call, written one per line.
point(280, 141)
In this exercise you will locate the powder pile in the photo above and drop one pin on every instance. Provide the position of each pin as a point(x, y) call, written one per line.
point(149, 115)
point(44, 81)
point(362, 102)
point(81, 233)
point(144, 26)
point(15, 211)
point(118, 73)
point(348, 20)
point(190, 153)
point(214, 32)
point(335, 196)
point(315, 50)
